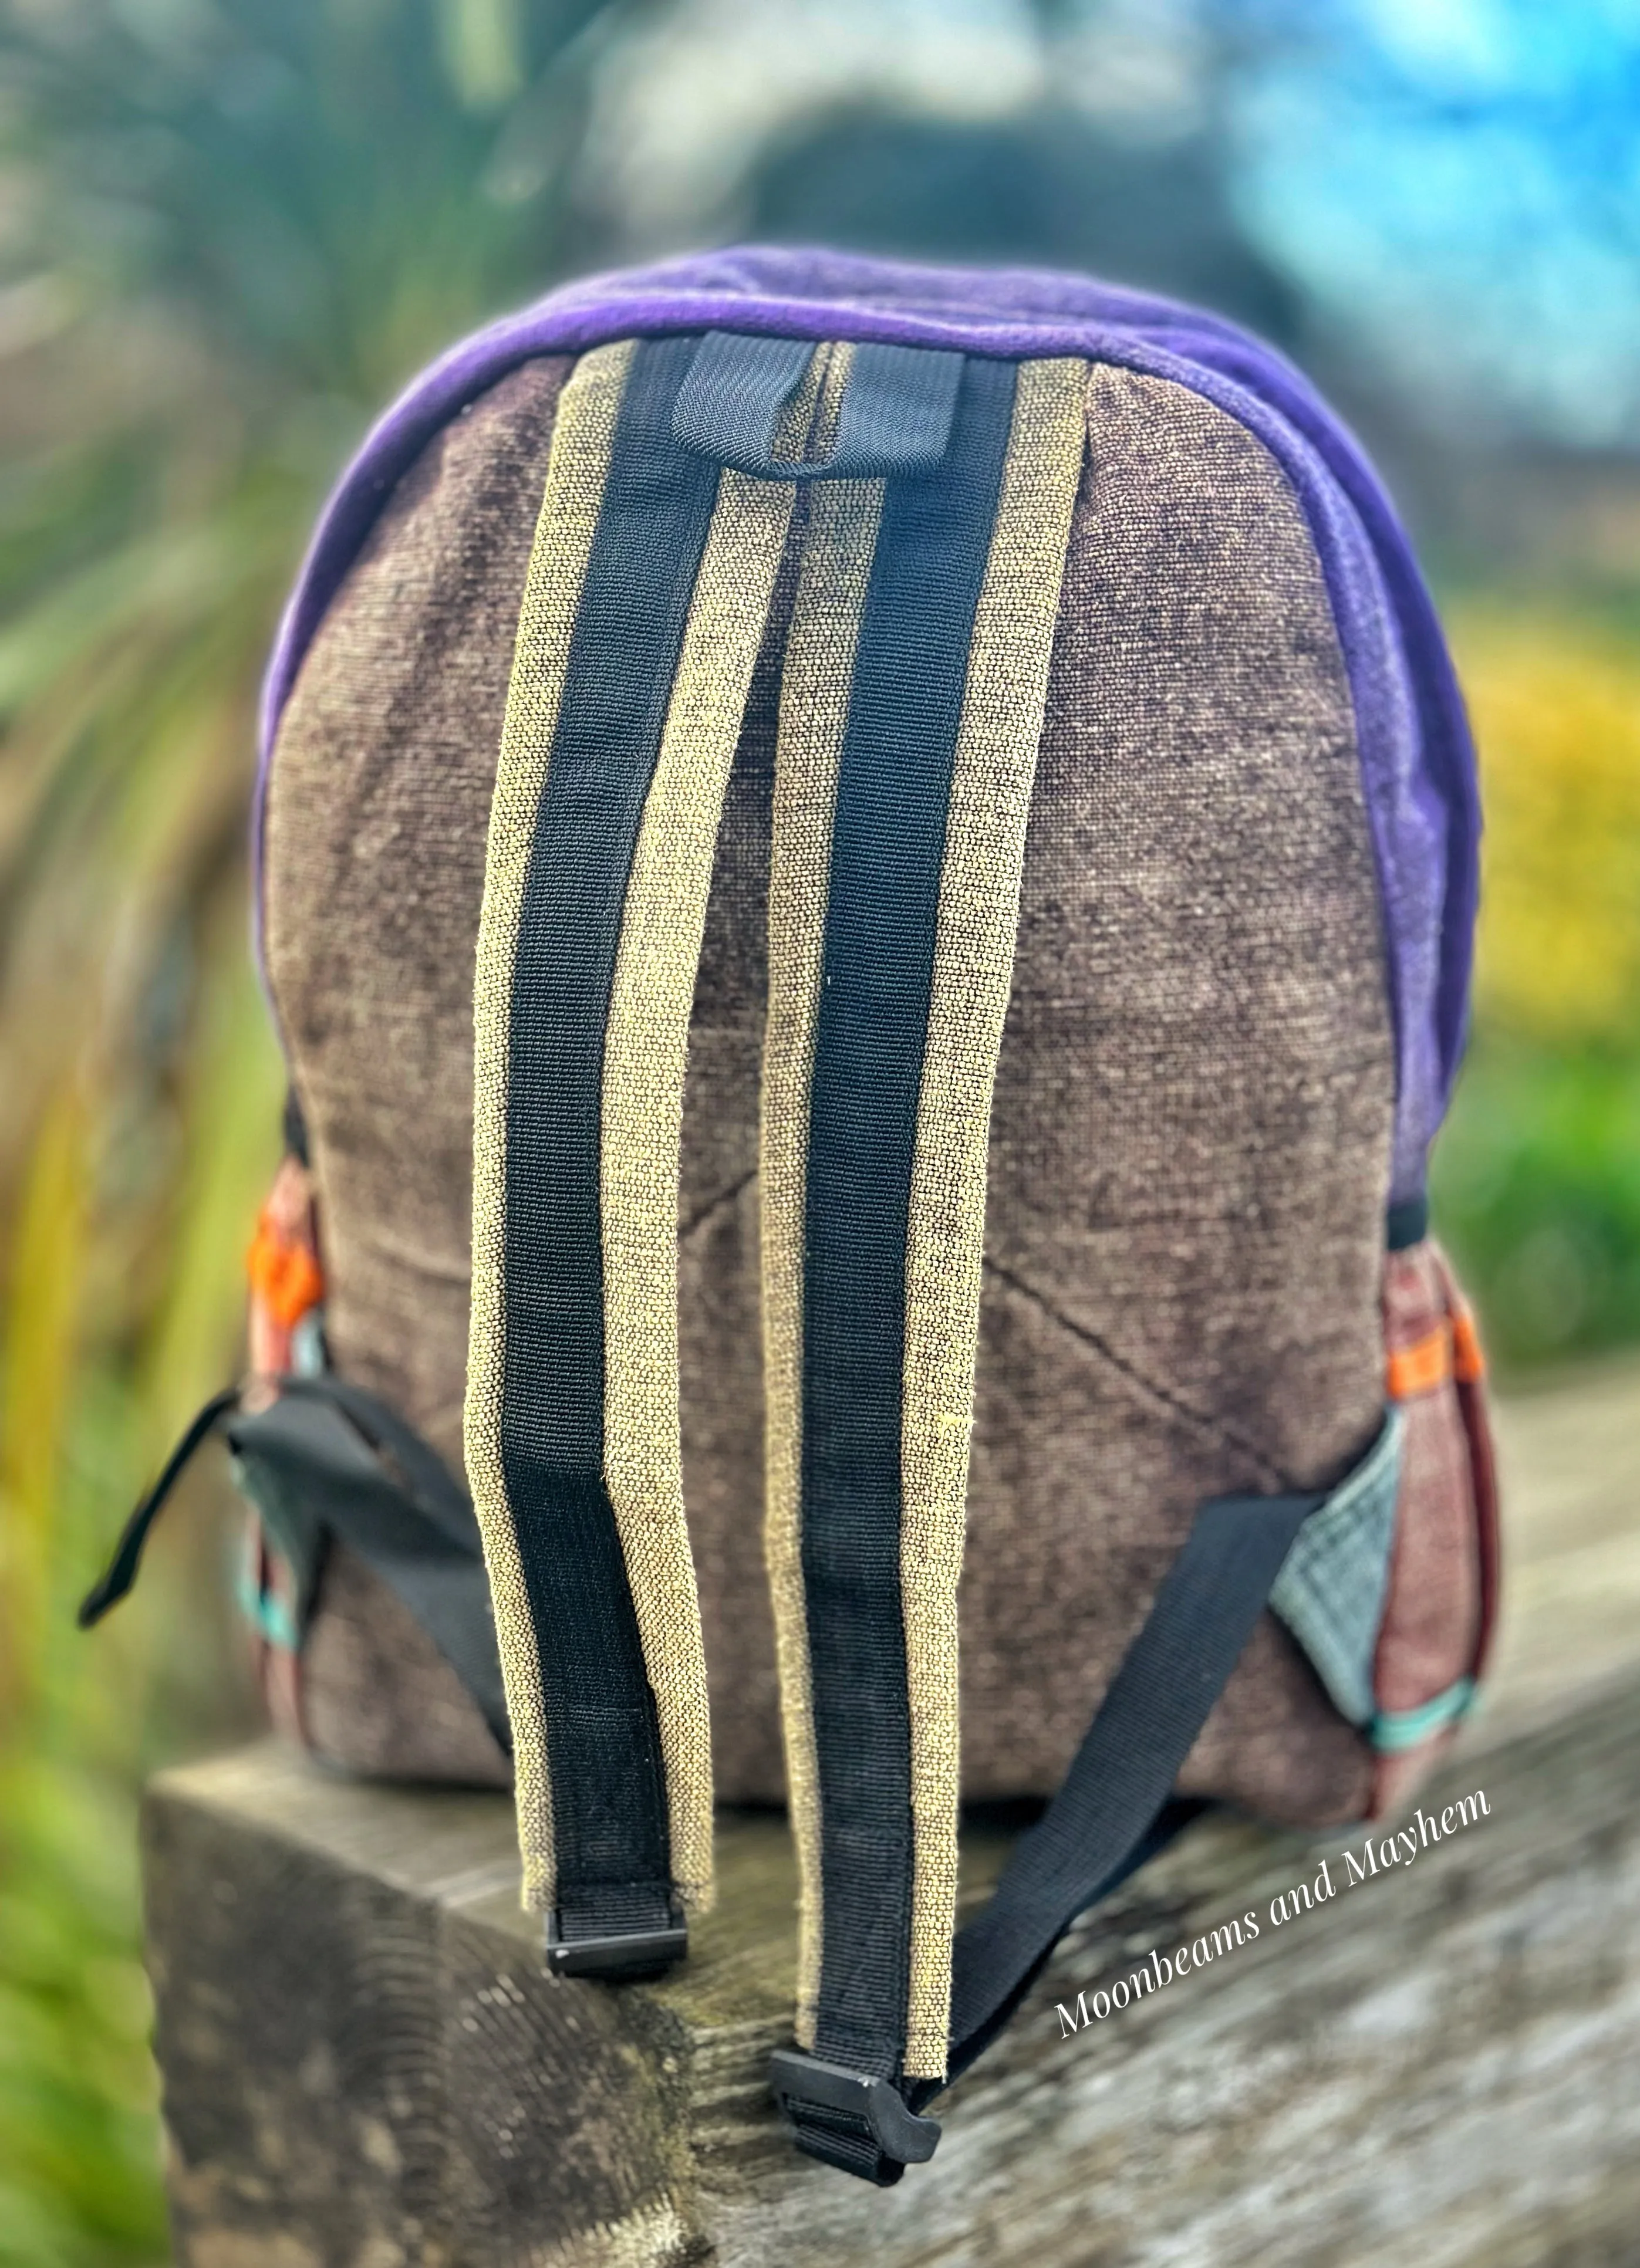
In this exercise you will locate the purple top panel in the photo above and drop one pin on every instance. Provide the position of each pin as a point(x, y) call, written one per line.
point(1417, 762)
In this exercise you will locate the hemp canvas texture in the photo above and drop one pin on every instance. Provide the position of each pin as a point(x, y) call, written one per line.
point(389, 743)
point(830, 603)
point(644, 1052)
point(973, 961)
point(1190, 1136)
point(581, 444)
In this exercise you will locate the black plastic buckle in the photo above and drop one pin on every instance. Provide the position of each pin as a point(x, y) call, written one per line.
point(628, 1954)
point(801, 2081)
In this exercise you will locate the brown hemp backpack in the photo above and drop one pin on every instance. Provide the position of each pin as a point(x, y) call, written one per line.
point(866, 878)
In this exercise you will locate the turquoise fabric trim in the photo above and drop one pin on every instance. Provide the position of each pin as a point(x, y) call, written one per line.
point(270, 1615)
point(1396, 1730)
point(1331, 1590)
point(307, 1345)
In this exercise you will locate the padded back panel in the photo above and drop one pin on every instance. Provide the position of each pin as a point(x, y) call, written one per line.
point(1190, 1146)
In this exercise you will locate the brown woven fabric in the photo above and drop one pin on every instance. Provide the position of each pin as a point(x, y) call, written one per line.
point(583, 436)
point(377, 812)
point(1191, 1133)
point(379, 1695)
point(1190, 1136)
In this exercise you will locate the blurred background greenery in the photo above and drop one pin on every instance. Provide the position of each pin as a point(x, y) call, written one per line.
point(229, 229)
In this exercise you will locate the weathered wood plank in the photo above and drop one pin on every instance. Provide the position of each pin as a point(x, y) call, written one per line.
point(364, 2064)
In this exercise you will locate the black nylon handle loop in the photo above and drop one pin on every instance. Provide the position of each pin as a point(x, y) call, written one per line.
point(897, 413)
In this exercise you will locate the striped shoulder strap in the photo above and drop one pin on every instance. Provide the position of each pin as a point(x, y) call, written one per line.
point(912, 705)
point(670, 485)
point(915, 683)
point(941, 489)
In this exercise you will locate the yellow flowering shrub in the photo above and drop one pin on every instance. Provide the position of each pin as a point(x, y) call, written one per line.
point(1536, 1178)
point(1555, 705)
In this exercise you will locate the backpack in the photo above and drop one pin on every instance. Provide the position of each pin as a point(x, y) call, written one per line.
point(866, 874)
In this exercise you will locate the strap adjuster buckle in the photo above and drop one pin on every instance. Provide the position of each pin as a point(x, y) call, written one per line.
point(800, 2081)
point(627, 1953)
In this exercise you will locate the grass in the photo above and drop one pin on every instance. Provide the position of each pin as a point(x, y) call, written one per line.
point(229, 229)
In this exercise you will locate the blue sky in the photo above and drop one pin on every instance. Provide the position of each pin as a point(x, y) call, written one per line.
point(1458, 182)
point(1454, 183)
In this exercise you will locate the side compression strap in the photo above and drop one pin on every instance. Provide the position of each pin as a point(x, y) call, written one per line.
point(122, 1569)
point(645, 603)
point(1112, 1812)
point(326, 1458)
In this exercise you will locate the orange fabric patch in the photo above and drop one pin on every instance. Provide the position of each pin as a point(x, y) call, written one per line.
point(1421, 1368)
point(284, 1276)
point(1468, 1360)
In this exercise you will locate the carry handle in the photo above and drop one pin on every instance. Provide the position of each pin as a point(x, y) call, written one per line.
point(896, 418)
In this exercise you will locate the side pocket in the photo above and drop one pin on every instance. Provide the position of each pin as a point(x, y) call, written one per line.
point(286, 1334)
point(1440, 1605)
point(267, 1594)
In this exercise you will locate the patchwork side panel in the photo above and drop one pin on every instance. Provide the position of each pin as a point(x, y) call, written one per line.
point(1442, 1588)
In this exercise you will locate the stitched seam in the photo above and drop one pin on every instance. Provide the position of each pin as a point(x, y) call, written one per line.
point(1214, 1428)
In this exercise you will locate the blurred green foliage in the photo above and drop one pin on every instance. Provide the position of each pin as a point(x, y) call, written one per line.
point(229, 229)
point(1537, 1179)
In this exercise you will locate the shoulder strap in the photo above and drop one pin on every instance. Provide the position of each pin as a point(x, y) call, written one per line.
point(645, 603)
point(915, 683)
point(643, 609)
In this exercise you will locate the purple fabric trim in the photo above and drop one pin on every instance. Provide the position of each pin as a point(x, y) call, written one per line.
point(1417, 762)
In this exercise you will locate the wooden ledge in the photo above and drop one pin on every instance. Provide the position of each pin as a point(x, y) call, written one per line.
point(365, 2063)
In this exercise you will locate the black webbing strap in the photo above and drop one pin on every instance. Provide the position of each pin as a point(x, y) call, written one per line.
point(1114, 1811)
point(326, 1459)
point(896, 418)
point(121, 1570)
point(605, 1767)
point(882, 907)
